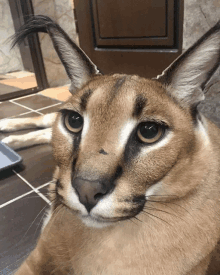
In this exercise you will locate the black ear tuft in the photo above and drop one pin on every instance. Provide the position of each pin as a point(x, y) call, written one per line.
point(77, 64)
point(187, 76)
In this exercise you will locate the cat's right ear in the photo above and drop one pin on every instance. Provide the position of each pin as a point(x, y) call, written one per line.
point(78, 66)
point(187, 76)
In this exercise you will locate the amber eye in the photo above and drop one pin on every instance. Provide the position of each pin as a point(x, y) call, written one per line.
point(73, 122)
point(149, 132)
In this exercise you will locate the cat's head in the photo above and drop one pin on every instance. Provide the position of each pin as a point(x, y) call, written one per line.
point(121, 140)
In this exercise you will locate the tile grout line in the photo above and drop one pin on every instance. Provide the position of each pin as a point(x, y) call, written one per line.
point(35, 190)
point(23, 195)
point(43, 185)
point(16, 198)
point(23, 106)
point(15, 116)
point(36, 111)
point(53, 105)
point(12, 100)
point(39, 113)
point(20, 115)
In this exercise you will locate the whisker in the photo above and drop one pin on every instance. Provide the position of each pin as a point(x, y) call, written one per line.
point(166, 202)
point(167, 206)
point(193, 219)
point(138, 219)
point(26, 197)
point(34, 221)
point(131, 219)
point(155, 216)
point(162, 196)
point(156, 209)
point(43, 216)
point(55, 214)
point(30, 226)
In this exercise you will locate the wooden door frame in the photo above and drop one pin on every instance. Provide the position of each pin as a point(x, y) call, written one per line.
point(30, 49)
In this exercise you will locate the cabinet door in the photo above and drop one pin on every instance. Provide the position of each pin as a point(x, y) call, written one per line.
point(130, 36)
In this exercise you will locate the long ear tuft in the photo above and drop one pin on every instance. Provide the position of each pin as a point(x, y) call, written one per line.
point(187, 76)
point(77, 64)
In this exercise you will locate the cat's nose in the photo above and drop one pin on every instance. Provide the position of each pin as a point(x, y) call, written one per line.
point(90, 192)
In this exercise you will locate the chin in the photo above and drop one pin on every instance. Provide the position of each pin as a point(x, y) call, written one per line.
point(95, 223)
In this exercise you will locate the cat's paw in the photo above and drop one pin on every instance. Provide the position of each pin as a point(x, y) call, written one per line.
point(8, 125)
point(12, 141)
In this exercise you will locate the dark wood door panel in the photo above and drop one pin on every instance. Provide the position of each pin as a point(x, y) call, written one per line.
point(146, 64)
point(131, 18)
point(130, 36)
point(129, 23)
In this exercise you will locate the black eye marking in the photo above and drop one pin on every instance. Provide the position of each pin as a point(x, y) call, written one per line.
point(58, 184)
point(84, 99)
point(141, 137)
point(140, 103)
point(118, 172)
point(102, 151)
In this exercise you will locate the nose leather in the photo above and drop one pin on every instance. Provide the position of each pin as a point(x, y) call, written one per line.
point(90, 192)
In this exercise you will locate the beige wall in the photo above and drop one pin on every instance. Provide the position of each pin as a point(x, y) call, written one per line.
point(10, 60)
point(199, 17)
point(62, 12)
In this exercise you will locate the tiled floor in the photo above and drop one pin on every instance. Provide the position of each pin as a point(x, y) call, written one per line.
point(59, 93)
point(16, 81)
point(23, 199)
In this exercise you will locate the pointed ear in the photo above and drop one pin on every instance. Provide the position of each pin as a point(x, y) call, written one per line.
point(77, 64)
point(187, 76)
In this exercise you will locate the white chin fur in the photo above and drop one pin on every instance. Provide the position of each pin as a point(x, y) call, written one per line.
point(105, 207)
point(100, 209)
point(91, 222)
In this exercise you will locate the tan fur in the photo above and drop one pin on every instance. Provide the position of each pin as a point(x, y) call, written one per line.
point(121, 205)
point(187, 167)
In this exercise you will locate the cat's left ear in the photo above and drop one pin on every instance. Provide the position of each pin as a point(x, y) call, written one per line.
point(187, 76)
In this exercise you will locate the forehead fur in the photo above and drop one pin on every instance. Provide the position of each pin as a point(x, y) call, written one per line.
point(117, 94)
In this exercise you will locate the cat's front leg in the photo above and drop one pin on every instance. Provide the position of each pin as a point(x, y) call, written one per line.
point(25, 269)
point(40, 262)
point(15, 124)
point(33, 138)
point(37, 263)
